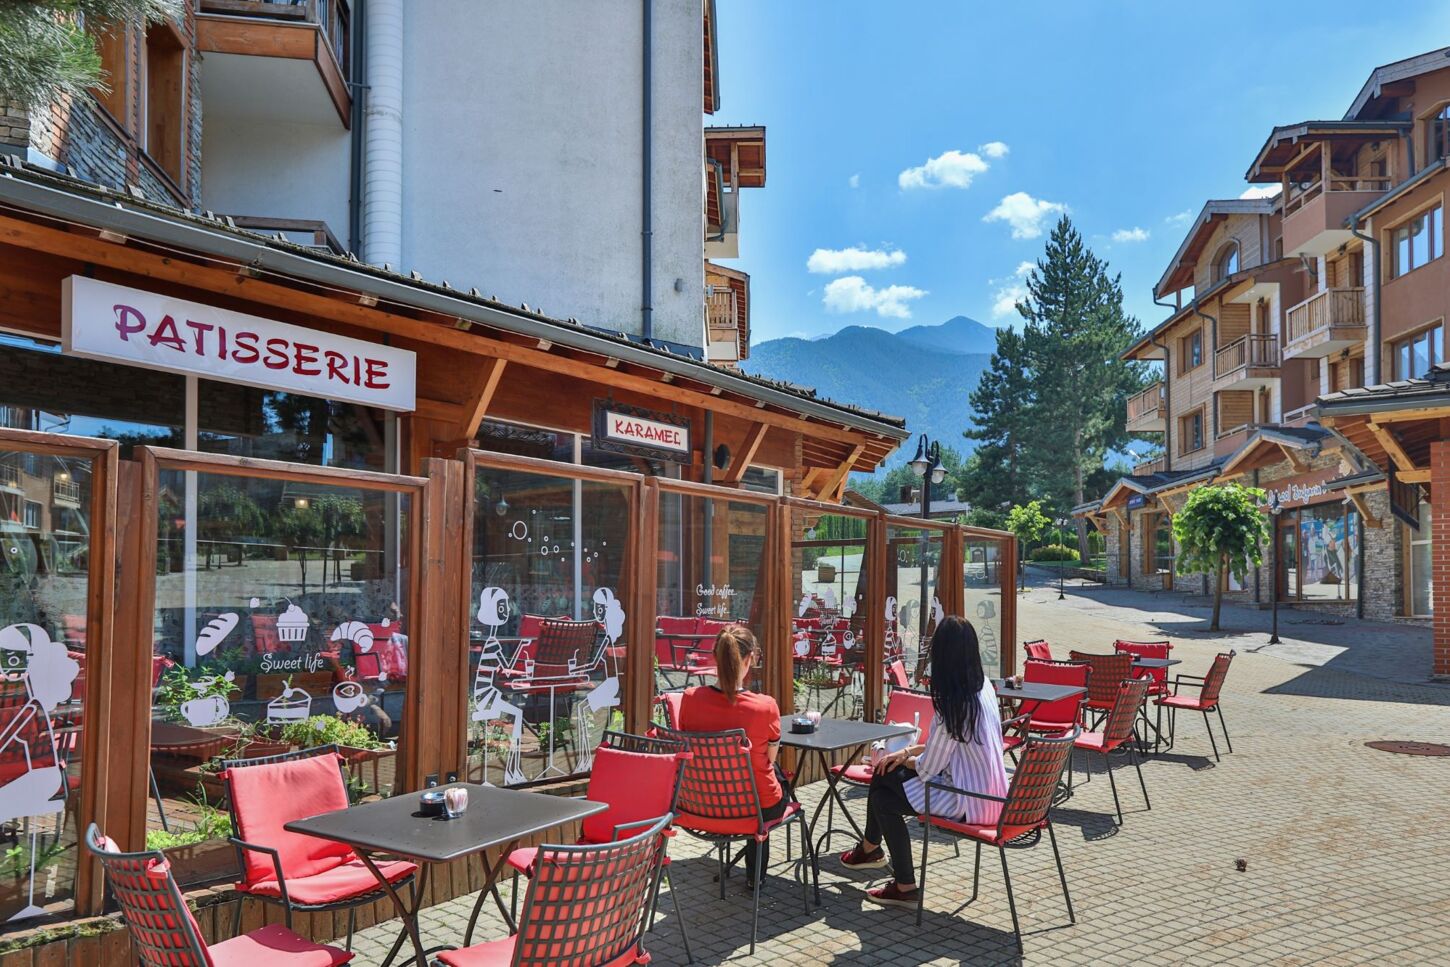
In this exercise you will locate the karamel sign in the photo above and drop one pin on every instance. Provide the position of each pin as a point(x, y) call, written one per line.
point(115, 323)
point(643, 433)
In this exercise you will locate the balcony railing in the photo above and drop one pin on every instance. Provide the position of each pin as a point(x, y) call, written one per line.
point(333, 16)
point(1146, 467)
point(67, 491)
point(1253, 351)
point(1326, 311)
point(720, 308)
point(1301, 194)
point(1147, 405)
point(10, 475)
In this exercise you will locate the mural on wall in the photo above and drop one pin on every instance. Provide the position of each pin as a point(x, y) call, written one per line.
point(36, 781)
point(489, 703)
point(610, 615)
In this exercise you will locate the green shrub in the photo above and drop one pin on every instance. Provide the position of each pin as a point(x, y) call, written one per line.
point(328, 730)
point(1053, 552)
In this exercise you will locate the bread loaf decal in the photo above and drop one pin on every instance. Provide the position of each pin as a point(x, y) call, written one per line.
point(215, 633)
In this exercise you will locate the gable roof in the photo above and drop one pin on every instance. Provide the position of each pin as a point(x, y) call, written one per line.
point(1201, 229)
point(1400, 70)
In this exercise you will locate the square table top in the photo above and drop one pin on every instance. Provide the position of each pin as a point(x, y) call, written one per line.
point(397, 825)
point(1036, 691)
point(1156, 662)
point(832, 735)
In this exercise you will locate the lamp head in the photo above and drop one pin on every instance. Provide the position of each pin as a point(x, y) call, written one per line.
point(921, 463)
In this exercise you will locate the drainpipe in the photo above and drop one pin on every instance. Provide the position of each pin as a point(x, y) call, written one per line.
point(382, 230)
point(357, 46)
point(1167, 412)
point(1257, 598)
point(1213, 343)
point(646, 213)
point(1375, 304)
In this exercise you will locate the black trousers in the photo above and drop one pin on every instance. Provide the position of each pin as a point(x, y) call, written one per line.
point(886, 810)
point(766, 815)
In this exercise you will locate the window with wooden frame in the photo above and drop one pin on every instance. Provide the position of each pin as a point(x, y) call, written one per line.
point(1190, 432)
point(1346, 373)
point(1416, 241)
point(1226, 263)
point(1437, 135)
point(113, 42)
point(163, 131)
point(1190, 351)
point(1415, 355)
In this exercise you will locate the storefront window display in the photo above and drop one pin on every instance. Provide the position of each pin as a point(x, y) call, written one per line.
point(1328, 553)
point(829, 560)
point(913, 602)
point(1421, 581)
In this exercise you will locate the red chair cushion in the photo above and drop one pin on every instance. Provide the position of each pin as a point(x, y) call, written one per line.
point(860, 773)
point(522, 859)
point(674, 625)
point(1093, 742)
point(343, 882)
point(636, 785)
point(267, 797)
point(986, 833)
point(500, 953)
point(275, 944)
point(1011, 741)
point(671, 703)
point(1193, 702)
point(731, 827)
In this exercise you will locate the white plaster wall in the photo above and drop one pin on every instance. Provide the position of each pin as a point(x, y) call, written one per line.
point(522, 131)
point(276, 169)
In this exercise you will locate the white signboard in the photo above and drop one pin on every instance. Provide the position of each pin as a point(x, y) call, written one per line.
point(642, 432)
point(119, 324)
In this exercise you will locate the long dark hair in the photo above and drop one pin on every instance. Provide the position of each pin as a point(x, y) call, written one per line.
point(733, 647)
point(956, 677)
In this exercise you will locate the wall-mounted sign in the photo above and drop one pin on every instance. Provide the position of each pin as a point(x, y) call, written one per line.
point(119, 324)
point(1136, 501)
point(641, 433)
point(1301, 490)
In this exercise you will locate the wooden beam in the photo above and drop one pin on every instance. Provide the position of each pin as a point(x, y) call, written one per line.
point(1391, 443)
point(1414, 476)
point(438, 410)
point(753, 439)
point(1294, 459)
point(809, 481)
point(838, 476)
point(1408, 416)
point(1370, 520)
point(485, 385)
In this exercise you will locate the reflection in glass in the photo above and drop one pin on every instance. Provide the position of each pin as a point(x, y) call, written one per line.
point(279, 624)
point(249, 422)
point(549, 631)
point(982, 595)
point(45, 516)
point(828, 630)
point(913, 605)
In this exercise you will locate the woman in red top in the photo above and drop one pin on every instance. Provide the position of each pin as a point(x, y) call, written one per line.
point(729, 705)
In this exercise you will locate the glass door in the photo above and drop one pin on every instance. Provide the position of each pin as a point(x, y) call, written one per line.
point(1288, 556)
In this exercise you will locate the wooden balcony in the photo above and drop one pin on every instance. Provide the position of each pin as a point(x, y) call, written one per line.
point(67, 492)
point(1248, 362)
point(1325, 323)
point(1145, 467)
point(266, 35)
point(722, 325)
point(1314, 217)
point(9, 476)
point(1146, 410)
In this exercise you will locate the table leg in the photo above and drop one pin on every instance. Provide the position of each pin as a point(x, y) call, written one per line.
point(490, 878)
point(409, 917)
point(833, 793)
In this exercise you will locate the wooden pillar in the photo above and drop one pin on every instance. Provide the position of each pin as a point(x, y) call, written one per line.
point(779, 580)
point(1007, 573)
point(874, 560)
point(129, 786)
point(952, 575)
point(639, 683)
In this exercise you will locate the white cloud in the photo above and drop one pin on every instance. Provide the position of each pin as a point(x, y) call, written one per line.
point(834, 261)
point(1010, 291)
point(1024, 213)
point(994, 149)
point(855, 180)
point(1180, 218)
point(950, 169)
point(853, 294)
point(1134, 234)
point(1261, 191)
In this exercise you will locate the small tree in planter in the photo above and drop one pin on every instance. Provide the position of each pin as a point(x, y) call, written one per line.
point(1028, 522)
point(1221, 531)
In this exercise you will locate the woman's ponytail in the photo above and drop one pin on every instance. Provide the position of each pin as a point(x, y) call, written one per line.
point(733, 648)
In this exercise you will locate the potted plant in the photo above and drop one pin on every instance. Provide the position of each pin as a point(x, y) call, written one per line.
point(200, 854)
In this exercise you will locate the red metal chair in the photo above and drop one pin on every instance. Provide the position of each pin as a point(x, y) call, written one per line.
point(719, 803)
point(905, 706)
point(1206, 701)
point(1118, 732)
point(1104, 674)
point(296, 871)
point(669, 703)
point(896, 674)
point(1038, 649)
point(1025, 810)
point(587, 906)
point(165, 934)
point(638, 777)
point(1064, 714)
point(677, 649)
point(1157, 677)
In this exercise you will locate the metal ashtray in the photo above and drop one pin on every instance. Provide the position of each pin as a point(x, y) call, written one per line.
point(800, 725)
point(430, 802)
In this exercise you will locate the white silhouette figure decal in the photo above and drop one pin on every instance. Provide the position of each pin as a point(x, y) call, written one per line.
point(27, 737)
point(829, 599)
point(610, 615)
point(488, 701)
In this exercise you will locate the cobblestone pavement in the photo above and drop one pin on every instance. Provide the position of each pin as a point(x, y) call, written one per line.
point(1346, 847)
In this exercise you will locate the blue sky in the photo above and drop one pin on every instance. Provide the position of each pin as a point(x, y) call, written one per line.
point(1129, 114)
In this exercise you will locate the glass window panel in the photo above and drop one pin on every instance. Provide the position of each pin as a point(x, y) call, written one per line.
point(1419, 242)
point(548, 623)
point(526, 441)
point(43, 659)
point(249, 422)
point(1422, 582)
point(1402, 251)
point(829, 627)
point(1420, 355)
point(1328, 553)
point(279, 623)
point(913, 605)
point(982, 596)
point(1402, 360)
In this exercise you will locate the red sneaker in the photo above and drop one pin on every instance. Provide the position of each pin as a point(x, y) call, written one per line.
point(857, 859)
point(892, 895)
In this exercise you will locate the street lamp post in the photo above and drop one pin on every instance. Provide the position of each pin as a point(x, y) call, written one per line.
point(928, 468)
point(1274, 568)
point(1061, 523)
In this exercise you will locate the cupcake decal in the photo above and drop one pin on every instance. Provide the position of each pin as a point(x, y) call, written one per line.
point(292, 624)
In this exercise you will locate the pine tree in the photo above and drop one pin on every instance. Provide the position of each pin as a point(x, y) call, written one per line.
point(1001, 404)
point(1075, 333)
point(48, 47)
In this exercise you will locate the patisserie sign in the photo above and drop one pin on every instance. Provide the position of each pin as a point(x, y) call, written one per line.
point(120, 324)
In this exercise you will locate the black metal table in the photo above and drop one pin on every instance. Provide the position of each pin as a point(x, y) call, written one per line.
point(1036, 691)
point(397, 827)
point(834, 735)
point(1156, 662)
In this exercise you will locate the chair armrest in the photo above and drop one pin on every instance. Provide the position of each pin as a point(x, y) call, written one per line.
point(638, 824)
point(937, 784)
point(242, 844)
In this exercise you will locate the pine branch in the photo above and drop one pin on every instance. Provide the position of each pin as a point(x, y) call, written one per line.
point(46, 52)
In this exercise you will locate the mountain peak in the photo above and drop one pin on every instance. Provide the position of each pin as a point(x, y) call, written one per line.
point(959, 334)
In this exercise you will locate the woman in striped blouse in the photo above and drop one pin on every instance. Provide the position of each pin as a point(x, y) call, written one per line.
point(963, 749)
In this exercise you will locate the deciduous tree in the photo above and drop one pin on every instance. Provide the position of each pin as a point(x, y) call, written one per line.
point(1221, 531)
